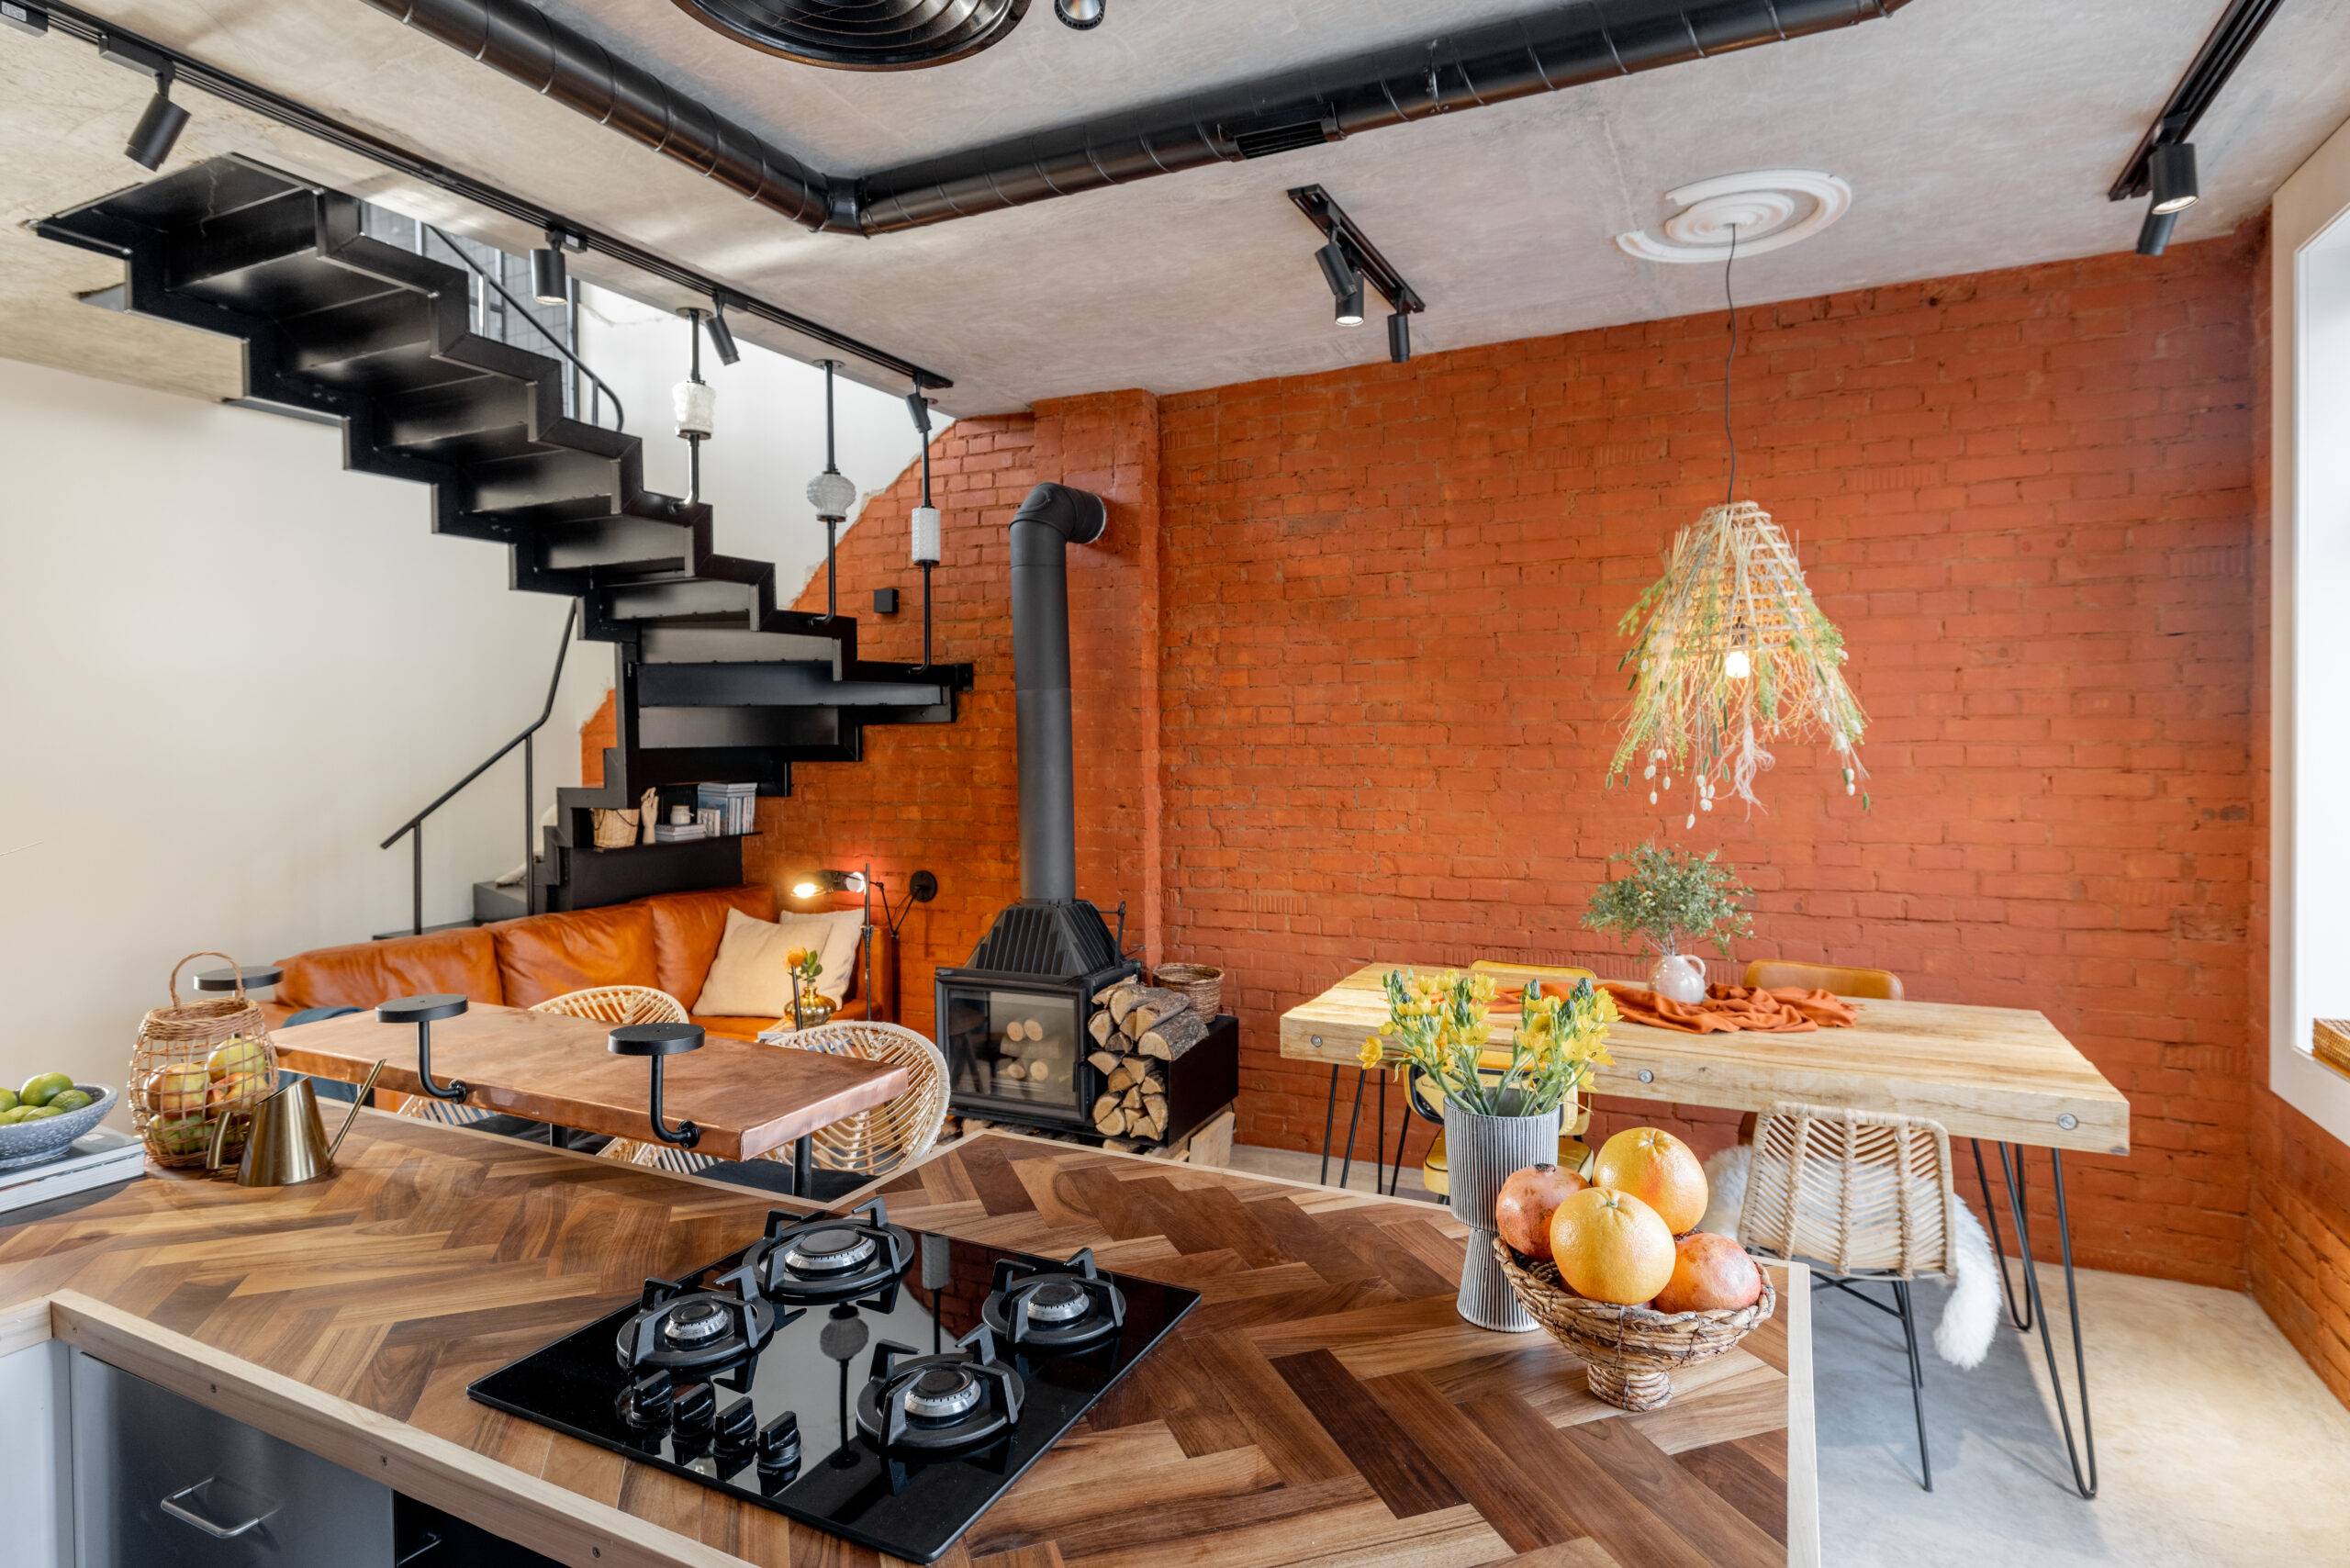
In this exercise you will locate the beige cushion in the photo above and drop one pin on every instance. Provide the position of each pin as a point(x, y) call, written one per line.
point(749, 977)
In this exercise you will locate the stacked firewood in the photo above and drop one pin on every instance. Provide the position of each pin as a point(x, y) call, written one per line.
point(1137, 1030)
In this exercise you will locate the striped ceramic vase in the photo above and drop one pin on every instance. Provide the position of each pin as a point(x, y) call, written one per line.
point(1480, 1152)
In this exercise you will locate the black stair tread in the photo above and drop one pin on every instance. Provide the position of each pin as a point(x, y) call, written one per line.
point(780, 684)
point(685, 599)
point(689, 644)
point(616, 543)
point(782, 729)
point(493, 901)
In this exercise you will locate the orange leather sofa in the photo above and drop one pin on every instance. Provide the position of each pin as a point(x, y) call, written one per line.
point(668, 941)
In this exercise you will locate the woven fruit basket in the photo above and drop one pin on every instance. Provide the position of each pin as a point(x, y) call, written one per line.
point(1627, 1353)
point(194, 1062)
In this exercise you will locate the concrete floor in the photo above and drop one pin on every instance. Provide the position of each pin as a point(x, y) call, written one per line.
point(2217, 1445)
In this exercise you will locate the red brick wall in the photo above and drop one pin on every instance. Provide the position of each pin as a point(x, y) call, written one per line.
point(1391, 690)
point(1378, 608)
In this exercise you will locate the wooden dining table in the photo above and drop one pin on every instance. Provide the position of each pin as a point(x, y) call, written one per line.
point(743, 1100)
point(2002, 1074)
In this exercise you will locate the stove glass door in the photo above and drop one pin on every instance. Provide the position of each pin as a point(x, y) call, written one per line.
point(1016, 1048)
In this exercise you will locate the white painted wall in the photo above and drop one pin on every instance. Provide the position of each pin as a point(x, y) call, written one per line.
point(770, 438)
point(2310, 642)
point(227, 668)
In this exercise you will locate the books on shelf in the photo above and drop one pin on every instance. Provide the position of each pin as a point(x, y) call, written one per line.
point(679, 833)
point(730, 808)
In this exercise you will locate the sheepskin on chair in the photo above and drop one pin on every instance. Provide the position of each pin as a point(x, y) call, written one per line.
point(1971, 1317)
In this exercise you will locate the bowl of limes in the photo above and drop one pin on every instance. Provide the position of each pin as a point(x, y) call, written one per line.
point(51, 1111)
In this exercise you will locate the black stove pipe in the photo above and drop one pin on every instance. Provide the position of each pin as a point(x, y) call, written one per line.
point(1053, 517)
point(1568, 45)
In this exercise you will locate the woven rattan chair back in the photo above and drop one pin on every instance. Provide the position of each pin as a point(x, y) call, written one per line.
point(873, 1143)
point(1858, 1191)
point(890, 1136)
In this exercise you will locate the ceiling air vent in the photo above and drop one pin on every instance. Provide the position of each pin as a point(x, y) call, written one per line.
point(1285, 132)
point(862, 34)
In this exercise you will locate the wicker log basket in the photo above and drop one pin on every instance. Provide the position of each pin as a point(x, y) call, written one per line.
point(1201, 985)
point(1627, 1353)
point(174, 1118)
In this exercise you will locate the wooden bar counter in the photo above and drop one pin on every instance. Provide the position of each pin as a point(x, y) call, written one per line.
point(1323, 1404)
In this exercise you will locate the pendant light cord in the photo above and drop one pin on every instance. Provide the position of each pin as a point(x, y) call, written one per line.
point(1729, 359)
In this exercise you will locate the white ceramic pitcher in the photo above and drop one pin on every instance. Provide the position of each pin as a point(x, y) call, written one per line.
point(1678, 977)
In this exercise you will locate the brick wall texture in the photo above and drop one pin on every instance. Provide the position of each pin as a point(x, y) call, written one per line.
point(1346, 687)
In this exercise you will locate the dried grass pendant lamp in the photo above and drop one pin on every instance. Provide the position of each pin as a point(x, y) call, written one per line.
point(1730, 654)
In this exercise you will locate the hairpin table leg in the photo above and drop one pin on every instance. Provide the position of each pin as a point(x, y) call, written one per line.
point(2084, 1482)
point(2008, 1292)
point(1347, 1166)
point(1329, 1115)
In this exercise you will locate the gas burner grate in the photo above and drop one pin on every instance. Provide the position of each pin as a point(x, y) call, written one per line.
point(828, 1258)
point(1052, 1306)
point(944, 1402)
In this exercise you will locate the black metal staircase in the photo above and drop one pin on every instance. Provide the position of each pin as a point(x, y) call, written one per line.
point(712, 680)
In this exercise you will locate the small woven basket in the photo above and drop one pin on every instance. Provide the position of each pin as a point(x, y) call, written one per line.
point(1627, 1353)
point(175, 1111)
point(1201, 985)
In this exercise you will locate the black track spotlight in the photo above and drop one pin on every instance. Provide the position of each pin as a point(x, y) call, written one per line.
point(1080, 13)
point(722, 336)
point(159, 127)
point(1399, 337)
point(2153, 235)
point(24, 18)
point(1346, 283)
point(2170, 168)
point(550, 277)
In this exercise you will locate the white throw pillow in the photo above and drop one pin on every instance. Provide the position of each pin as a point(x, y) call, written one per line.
point(749, 979)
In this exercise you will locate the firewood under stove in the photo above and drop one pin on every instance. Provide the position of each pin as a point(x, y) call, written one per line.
point(1140, 1030)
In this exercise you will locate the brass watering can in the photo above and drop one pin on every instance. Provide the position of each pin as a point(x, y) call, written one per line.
point(288, 1144)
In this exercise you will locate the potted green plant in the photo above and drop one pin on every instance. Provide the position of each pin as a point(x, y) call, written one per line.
point(1502, 1107)
point(1672, 899)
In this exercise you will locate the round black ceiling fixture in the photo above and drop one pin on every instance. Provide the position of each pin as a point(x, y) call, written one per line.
point(863, 35)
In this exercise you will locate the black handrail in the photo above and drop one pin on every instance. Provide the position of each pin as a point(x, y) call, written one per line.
point(620, 415)
point(413, 829)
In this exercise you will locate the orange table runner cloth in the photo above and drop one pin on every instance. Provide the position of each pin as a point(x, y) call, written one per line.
point(1729, 1009)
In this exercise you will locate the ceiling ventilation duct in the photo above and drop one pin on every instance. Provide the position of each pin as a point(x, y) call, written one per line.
point(862, 34)
point(1566, 47)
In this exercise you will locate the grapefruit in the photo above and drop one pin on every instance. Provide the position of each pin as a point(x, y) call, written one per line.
point(1710, 1273)
point(1522, 1212)
point(1611, 1247)
point(1659, 1169)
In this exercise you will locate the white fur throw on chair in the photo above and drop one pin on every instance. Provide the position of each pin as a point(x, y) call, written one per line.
point(1969, 1319)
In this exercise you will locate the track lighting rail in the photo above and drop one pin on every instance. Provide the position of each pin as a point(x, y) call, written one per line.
point(187, 69)
point(2231, 39)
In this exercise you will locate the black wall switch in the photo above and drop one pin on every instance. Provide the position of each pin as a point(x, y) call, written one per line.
point(885, 601)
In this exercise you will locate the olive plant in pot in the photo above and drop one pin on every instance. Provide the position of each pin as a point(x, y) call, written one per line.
point(1672, 899)
point(1502, 1107)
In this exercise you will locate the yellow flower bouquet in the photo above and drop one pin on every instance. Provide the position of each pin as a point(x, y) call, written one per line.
point(1441, 1025)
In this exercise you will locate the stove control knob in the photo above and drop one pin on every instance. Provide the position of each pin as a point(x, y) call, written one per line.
point(779, 1442)
point(694, 1405)
point(736, 1423)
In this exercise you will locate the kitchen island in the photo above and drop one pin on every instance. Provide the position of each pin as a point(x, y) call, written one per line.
point(1322, 1402)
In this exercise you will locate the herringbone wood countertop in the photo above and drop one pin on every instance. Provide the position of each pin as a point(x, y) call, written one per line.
point(1324, 1403)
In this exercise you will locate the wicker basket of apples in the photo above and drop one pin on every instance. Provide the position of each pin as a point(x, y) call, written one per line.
point(196, 1062)
point(1615, 1267)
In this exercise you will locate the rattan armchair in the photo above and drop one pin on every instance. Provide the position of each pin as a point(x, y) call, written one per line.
point(1858, 1196)
point(869, 1144)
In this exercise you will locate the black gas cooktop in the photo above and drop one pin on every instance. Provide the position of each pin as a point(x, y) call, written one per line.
point(882, 1383)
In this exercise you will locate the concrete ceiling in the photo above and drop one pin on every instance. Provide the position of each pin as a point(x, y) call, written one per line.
point(1976, 133)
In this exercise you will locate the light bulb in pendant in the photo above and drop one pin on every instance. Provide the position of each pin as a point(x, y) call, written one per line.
point(1736, 665)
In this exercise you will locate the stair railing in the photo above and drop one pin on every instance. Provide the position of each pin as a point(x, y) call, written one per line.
point(413, 829)
point(601, 390)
